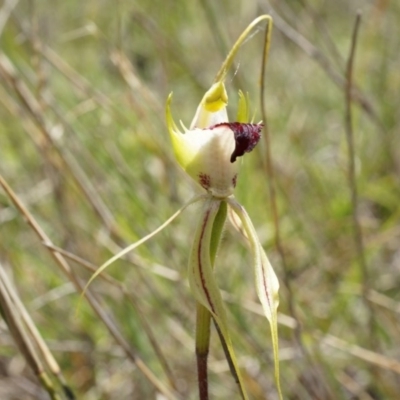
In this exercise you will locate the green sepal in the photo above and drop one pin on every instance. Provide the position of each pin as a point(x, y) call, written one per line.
point(183, 153)
point(243, 114)
point(267, 283)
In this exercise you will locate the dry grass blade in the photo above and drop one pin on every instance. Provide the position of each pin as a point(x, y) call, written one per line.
point(31, 105)
point(357, 232)
point(35, 335)
point(132, 298)
point(317, 376)
point(143, 95)
point(11, 313)
point(167, 48)
point(384, 301)
point(369, 356)
point(93, 302)
point(313, 52)
point(353, 387)
point(8, 6)
point(77, 80)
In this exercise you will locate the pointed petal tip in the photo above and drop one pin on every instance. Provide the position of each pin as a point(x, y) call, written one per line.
point(243, 108)
point(216, 97)
point(172, 128)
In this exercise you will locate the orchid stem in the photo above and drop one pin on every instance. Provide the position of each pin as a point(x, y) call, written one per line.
point(203, 319)
point(203, 316)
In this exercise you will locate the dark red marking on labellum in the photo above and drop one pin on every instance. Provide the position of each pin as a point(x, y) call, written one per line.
point(246, 137)
point(204, 180)
point(234, 180)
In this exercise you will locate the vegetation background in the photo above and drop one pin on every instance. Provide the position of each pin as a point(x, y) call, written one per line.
point(84, 145)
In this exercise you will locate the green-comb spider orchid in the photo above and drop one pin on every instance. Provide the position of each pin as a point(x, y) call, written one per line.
point(209, 152)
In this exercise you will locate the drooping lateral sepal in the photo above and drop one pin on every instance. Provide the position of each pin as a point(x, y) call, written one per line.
point(267, 283)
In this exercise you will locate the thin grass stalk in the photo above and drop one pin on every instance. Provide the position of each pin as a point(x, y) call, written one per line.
point(76, 79)
point(31, 128)
point(91, 299)
point(134, 301)
point(166, 46)
point(271, 182)
point(16, 327)
point(270, 172)
point(33, 108)
point(37, 338)
point(5, 12)
point(316, 54)
point(352, 180)
point(213, 22)
point(371, 357)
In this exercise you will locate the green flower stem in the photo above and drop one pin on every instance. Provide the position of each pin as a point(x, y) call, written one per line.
point(203, 319)
point(203, 316)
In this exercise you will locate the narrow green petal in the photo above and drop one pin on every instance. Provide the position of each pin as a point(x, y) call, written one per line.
point(215, 98)
point(183, 152)
point(202, 281)
point(243, 108)
point(266, 282)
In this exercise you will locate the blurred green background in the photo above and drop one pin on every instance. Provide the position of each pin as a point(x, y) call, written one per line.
point(84, 144)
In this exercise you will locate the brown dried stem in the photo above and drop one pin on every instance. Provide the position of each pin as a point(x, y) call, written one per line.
point(317, 376)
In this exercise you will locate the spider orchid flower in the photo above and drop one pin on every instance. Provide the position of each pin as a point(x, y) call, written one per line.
point(209, 152)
